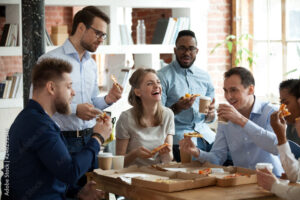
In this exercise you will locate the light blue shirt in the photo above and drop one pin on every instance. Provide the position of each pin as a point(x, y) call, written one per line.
point(84, 76)
point(254, 143)
point(176, 82)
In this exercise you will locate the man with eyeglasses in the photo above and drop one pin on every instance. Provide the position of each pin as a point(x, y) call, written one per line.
point(88, 32)
point(181, 77)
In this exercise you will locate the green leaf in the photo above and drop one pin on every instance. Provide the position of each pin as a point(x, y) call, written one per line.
point(229, 46)
point(213, 50)
point(291, 71)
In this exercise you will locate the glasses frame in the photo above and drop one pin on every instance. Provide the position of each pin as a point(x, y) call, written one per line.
point(99, 34)
point(183, 49)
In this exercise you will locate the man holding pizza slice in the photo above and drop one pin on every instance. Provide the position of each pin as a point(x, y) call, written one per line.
point(183, 76)
point(248, 136)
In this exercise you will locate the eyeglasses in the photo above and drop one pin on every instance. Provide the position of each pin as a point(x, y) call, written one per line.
point(183, 49)
point(99, 34)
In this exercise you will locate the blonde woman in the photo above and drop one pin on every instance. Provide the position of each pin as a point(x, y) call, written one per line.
point(147, 124)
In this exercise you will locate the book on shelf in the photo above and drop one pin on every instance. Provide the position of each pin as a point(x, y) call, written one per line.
point(160, 31)
point(10, 35)
point(48, 39)
point(2, 86)
point(166, 30)
point(12, 87)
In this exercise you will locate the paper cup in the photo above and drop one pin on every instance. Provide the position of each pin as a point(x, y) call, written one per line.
point(185, 157)
point(268, 166)
point(222, 119)
point(118, 162)
point(105, 160)
point(204, 103)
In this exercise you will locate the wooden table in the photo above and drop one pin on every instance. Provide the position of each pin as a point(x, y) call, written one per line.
point(250, 191)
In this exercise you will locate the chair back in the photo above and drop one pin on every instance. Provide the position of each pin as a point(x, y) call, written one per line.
point(295, 148)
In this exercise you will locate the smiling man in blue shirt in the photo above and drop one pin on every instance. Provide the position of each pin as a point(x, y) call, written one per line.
point(248, 136)
point(37, 163)
point(181, 77)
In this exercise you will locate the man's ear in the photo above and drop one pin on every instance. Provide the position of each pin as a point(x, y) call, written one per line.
point(251, 89)
point(137, 92)
point(81, 27)
point(50, 85)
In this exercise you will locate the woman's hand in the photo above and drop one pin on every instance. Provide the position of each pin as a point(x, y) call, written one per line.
point(265, 179)
point(142, 152)
point(278, 124)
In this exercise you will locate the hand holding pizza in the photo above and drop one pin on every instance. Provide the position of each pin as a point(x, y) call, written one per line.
point(279, 126)
point(142, 152)
point(188, 146)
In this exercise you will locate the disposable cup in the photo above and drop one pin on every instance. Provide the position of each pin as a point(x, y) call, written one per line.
point(222, 119)
point(118, 162)
point(105, 160)
point(185, 157)
point(204, 103)
point(267, 166)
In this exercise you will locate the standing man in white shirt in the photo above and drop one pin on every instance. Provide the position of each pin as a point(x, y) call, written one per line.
point(88, 32)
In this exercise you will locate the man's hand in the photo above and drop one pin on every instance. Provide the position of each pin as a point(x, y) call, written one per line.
point(89, 192)
point(86, 111)
point(183, 104)
point(104, 127)
point(188, 146)
point(114, 94)
point(265, 179)
point(211, 111)
point(279, 126)
point(230, 113)
point(142, 152)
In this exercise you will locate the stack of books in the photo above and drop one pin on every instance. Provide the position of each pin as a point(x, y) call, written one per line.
point(10, 35)
point(12, 87)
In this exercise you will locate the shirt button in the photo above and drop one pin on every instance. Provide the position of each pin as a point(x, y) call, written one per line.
point(248, 152)
point(246, 139)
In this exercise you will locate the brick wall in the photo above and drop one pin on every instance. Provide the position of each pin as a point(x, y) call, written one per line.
point(219, 26)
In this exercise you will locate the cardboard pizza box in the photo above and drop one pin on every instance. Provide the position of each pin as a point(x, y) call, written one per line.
point(148, 177)
point(228, 176)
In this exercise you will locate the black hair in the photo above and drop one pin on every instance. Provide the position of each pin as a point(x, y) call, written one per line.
point(185, 33)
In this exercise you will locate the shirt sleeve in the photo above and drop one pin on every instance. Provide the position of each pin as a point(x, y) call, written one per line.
point(54, 154)
point(264, 138)
point(286, 191)
point(290, 165)
point(99, 102)
point(219, 151)
point(122, 131)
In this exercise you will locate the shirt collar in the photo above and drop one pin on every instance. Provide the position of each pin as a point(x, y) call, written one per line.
point(182, 70)
point(70, 49)
point(257, 107)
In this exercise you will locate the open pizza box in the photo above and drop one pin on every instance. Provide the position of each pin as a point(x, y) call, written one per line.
point(149, 177)
point(226, 176)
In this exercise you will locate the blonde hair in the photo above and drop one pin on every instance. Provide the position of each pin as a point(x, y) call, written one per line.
point(138, 110)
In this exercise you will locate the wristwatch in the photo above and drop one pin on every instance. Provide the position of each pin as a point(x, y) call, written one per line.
point(99, 136)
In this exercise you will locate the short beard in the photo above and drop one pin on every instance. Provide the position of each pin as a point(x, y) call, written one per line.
point(184, 66)
point(86, 46)
point(62, 108)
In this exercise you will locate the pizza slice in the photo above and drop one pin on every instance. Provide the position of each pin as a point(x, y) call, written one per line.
point(193, 134)
point(205, 171)
point(155, 150)
point(284, 111)
point(297, 119)
point(188, 96)
point(101, 116)
point(113, 78)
